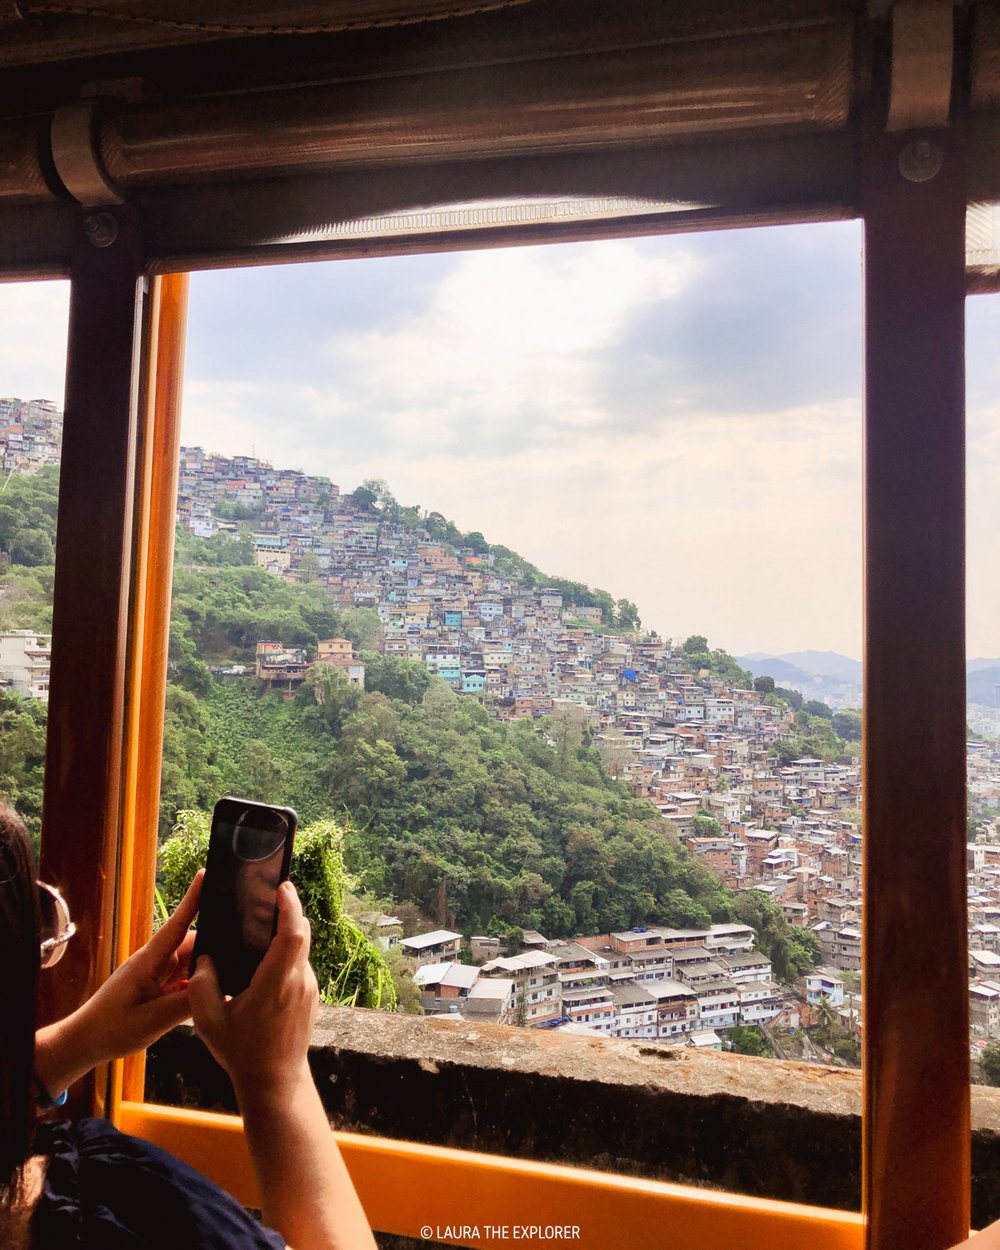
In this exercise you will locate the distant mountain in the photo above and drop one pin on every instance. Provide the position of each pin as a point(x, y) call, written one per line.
point(826, 664)
point(825, 675)
point(981, 685)
point(783, 672)
point(813, 663)
point(836, 679)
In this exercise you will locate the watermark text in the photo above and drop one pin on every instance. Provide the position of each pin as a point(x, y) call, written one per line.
point(500, 1232)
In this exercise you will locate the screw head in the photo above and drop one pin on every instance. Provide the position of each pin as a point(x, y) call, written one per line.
point(101, 229)
point(920, 160)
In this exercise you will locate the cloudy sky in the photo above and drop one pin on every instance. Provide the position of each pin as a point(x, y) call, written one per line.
point(676, 420)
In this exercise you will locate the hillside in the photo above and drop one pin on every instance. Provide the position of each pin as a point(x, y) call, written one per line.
point(473, 820)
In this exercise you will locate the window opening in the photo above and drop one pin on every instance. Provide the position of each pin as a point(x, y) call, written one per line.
point(33, 319)
point(613, 415)
point(983, 695)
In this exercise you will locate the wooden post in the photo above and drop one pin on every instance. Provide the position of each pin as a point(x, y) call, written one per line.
point(81, 813)
point(916, 1058)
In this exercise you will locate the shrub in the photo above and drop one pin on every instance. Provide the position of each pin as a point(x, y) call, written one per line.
point(349, 967)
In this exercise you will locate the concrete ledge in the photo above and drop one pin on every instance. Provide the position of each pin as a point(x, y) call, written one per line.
point(754, 1126)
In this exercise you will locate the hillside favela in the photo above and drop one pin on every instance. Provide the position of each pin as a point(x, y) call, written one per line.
point(550, 814)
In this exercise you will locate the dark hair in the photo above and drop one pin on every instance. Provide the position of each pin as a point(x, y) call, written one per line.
point(19, 959)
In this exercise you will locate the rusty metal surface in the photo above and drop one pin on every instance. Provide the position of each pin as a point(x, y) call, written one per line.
point(639, 94)
point(984, 69)
point(923, 54)
point(38, 31)
point(916, 1064)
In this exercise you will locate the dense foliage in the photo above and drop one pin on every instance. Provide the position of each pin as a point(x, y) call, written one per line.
point(27, 549)
point(719, 663)
point(791, 951)
point(749, 1040)
point(480, 823)
point(22, 757)
point(990, 1060)
point(28, 517)
point(349, 966)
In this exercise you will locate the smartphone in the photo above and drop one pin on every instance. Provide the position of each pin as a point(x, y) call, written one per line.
point(249, 851)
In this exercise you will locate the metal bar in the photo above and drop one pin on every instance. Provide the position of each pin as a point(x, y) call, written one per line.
point(706, 185)
point(81, 813)
point(916, 1062)
point(151, 632)
point(800, 77)
point(493, 237)
point(413, 30)
point(436, 1186)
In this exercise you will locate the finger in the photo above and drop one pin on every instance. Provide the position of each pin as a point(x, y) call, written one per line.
point(204, 996)
point(289, 905)
point(160, 1014)
point(290, 914)
point(287, 952)
point(186, 950)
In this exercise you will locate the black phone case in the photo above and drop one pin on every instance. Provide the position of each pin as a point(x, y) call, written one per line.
point(217, 934)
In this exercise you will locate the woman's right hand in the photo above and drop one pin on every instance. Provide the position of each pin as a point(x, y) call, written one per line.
point(261, 1037)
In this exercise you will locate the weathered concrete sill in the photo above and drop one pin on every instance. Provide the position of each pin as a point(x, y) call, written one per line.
point(754, 1126)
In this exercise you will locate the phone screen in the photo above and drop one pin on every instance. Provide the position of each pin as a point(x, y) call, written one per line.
point(249, 851)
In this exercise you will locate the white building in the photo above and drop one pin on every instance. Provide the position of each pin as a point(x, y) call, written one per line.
point(24, 662)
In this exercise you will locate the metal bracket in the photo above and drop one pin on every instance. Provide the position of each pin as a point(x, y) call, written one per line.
point(75, 155)
point(923, 49)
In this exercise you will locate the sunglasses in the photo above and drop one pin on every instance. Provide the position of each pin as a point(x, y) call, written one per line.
point(57, 927)
point(252, 844)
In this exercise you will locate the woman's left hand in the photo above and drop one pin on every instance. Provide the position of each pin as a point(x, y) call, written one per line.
point(138, 1003)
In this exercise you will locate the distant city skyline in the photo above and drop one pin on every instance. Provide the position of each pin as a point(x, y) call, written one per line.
point(675, 420)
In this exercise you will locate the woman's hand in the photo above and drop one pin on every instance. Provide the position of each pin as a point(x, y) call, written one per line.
point(137, 1004)
point(261, 1037)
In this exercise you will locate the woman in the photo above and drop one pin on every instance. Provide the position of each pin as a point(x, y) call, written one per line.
point(86, 1184)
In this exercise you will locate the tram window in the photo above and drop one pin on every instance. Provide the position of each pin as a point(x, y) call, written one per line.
point(983, 322)
point(33, 320)
point(477, 557)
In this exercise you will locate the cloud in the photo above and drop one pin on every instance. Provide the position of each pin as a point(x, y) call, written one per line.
point(503, 354)
point(676, 420)
point(773, 322)
point(33, 320)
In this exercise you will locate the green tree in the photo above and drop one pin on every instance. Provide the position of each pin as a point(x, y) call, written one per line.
point(705, 826)
point(792, 951)
point(627, 614)
point(847, 725)
point(764, 684)
point(349, 966)
point(816, 707)
point(990, 1060)
point(406, 680)
point(22, 757)
point(261, 772)
point(363, 627)
point(31, 547)
point(748, 1040)
point(828, 1018)
point(364, 497)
